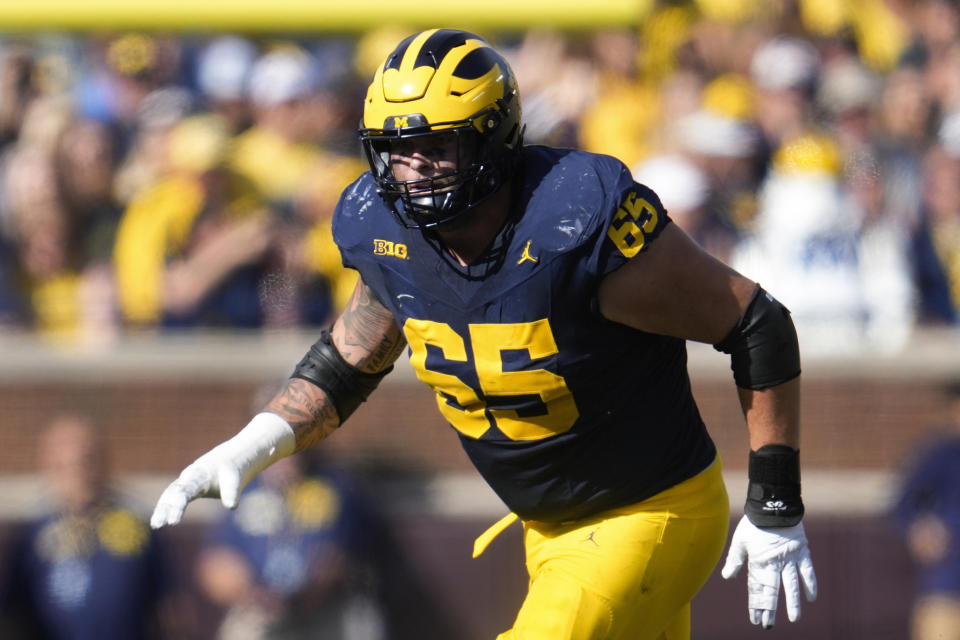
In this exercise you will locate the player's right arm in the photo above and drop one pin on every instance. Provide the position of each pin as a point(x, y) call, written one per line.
point(327, 385)
point(367, 338)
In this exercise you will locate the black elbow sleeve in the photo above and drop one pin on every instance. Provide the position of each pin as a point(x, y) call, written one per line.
point(346, 386)
point(763, 346)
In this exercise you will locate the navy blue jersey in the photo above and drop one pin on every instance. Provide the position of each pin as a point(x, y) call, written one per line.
point(563, 412)
point(287, 536)
point(93, 577)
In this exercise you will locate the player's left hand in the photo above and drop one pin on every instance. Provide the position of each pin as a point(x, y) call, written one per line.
point(772, 554)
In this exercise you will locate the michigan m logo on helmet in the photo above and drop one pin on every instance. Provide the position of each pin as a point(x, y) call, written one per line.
point(443, 82)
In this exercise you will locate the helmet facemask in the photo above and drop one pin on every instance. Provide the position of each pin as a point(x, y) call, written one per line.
point(433, 201)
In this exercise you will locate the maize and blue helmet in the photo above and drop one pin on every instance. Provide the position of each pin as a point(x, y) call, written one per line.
point(437, 83)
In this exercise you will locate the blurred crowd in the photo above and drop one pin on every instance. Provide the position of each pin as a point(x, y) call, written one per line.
point(307, 554)
point(153, 182)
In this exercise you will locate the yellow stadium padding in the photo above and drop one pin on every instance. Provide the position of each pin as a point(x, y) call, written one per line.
point(305, 16)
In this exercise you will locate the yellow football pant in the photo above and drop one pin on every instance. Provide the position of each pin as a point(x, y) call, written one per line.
point(628, 573)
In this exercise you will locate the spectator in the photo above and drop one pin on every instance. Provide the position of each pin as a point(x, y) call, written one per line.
point(846, 95)
point(901, 139)
point(785, 71)
point(85, 161)
point(16, 92)
point(556, 99)
point(803, 244)
point(90, 568)
point(278, 152)
point(222, 72)
point(192, 247)
point(62, 295)
point(937, 239)
point(887, 287)
point(935, 50)
point(13, 315)
point(295, 561)
point(312, 260)
point(292, 155)
point(123, 70)
point(928, 512)
point(722, 138)
point(146, 159)
point(684, 191)
point(623, 108)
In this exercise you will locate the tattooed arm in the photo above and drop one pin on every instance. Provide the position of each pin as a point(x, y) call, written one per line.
point(368, 338)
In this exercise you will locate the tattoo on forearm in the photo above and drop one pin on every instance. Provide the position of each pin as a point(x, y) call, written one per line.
point(368, 338)
point(371, 338)
point(306, 407)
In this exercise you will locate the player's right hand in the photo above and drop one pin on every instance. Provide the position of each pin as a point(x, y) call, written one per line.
point(227, 468)
point(203, 478)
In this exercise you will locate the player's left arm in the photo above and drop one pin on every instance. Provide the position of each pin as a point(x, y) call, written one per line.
point(675, 288)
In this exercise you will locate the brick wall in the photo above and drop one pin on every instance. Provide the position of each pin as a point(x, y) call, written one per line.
point(155, 427)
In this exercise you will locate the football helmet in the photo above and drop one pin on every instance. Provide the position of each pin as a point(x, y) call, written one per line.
point(439, 83)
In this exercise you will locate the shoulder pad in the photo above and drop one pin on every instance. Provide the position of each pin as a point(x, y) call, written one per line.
point(572, 194)
point(359, 209)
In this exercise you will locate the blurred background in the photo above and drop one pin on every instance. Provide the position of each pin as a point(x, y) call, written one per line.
point(168, 172)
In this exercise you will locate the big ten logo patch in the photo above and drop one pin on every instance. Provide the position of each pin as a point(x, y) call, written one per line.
point(388, 248)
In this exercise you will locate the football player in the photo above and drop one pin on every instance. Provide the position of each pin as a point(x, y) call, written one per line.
point(546, 298)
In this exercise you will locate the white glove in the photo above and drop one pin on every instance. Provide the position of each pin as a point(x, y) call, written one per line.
point(227, 468)
point(770, 554)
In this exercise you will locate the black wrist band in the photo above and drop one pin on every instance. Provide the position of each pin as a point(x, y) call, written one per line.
point(773, 494)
